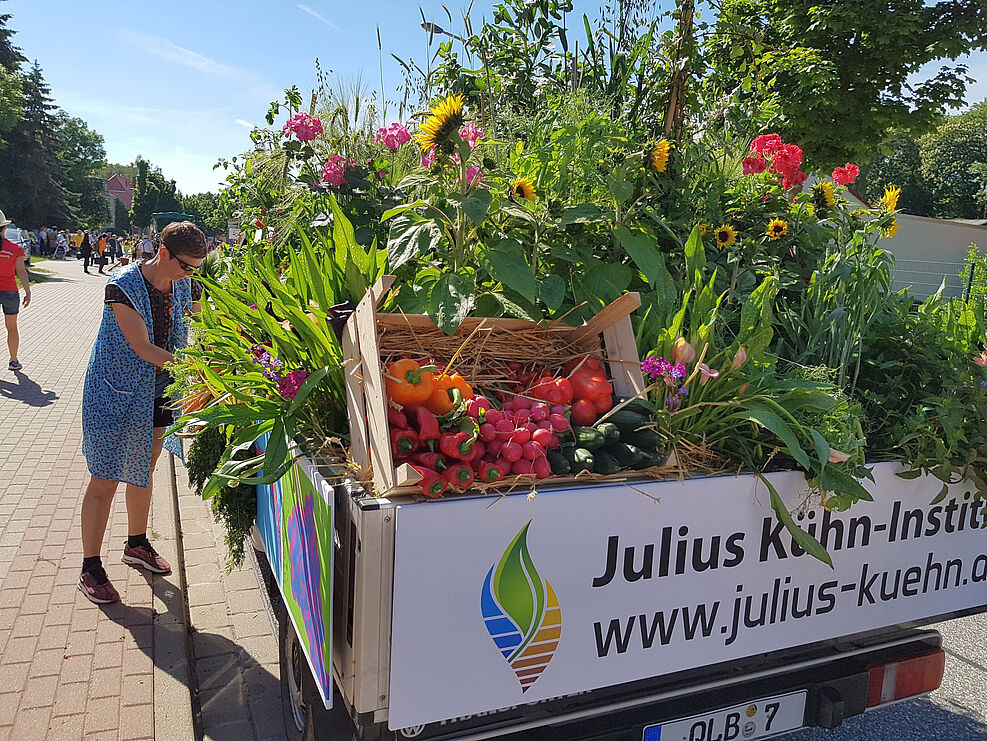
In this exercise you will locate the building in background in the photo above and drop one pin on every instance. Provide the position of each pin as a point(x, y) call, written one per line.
point(118, 188)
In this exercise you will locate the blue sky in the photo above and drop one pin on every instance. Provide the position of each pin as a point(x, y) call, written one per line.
point(183, 82)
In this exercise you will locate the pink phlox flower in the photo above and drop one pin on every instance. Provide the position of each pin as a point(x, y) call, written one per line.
point(793, 179)
point(393, 136)
point(304, 126)
point(473, 176)
point(754, 165)
point(335, 170)
point(471, 134)
point(766, 144)
point(846, 175)
point(787, 159)
point(428, 159)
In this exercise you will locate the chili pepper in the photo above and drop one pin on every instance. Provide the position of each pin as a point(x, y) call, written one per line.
point(432, 460)
point(459, 476)
point(396, 418)
point(442, 400)
point(488, 472)
point(428, 427)
point(403, 441)
point(409, 384)
point(432, 484)
point(458, 445)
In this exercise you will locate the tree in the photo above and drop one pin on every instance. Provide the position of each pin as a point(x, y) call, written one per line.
point(11, 88)
point(840, 70)
point(951, 156)
point(81, 149)
point(144, 197)
point(899, 163)
point(121, 217)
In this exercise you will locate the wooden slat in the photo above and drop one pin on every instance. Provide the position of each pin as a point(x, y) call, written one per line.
point(355, 405)
point(609, 316)
point(406, 476)
point(625, 364)
point(380, 288)
point(374, 394)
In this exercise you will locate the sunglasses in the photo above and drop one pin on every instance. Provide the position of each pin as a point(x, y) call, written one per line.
point(184, 265)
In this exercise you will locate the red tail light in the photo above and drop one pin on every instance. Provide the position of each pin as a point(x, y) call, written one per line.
point(907, 678)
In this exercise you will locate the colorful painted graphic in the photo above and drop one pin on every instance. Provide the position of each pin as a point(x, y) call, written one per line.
point(521, 612)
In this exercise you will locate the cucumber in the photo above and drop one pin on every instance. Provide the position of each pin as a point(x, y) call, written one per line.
point(581, 459)
point(610, 432)
point(559, 463)
point(628, 421)
point(651, 459)
point(644, 438)
point(605, 463)
point(589, 438)
point(626, 455)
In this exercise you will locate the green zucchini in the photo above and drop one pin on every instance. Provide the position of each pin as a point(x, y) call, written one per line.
point(581, 459)
point(589, 438)
point(643, 438)
point(639, 406)
point(652, 459)
point(628, 421)
point(605, 463)
point(610, 432)
point(627, 456)
point(559, 463)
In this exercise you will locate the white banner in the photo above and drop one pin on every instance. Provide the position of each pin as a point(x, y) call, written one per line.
point(505, 602)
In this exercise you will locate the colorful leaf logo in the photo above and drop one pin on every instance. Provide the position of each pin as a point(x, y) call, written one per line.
point(521, 612)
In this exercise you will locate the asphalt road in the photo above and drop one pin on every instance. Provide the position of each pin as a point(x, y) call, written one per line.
point(957, 711)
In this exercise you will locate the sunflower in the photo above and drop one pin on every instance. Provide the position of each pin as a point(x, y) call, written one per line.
point(777, 228)
point(703, 228)
point(828, 193)
point(523, 188)
point(441, 127)
point(725, 236)
point(891, 229)
point(891, 195)
point(659, 155)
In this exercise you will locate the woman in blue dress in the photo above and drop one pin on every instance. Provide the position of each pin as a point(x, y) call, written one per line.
point(124, 412)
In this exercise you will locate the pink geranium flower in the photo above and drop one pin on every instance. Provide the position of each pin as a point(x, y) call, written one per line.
point(766, 144)
point(846, 175)
point(288, 385)
point(428, 159)
point(754, 165)
point(471, 134)
point(393, 136)
point(304, 126)
point(335, 170)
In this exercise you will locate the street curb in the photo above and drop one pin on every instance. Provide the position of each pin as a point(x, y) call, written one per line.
point(174, 685)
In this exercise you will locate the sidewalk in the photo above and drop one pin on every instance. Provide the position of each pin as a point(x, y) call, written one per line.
point(70, 669)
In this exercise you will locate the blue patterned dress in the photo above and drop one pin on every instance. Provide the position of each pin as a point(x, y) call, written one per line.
point(118, 395)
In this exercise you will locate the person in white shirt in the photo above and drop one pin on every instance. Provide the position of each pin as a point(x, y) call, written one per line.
point(145, 250)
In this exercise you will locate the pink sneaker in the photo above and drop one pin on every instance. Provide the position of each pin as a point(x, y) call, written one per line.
point(146, 557)
point(97, 587)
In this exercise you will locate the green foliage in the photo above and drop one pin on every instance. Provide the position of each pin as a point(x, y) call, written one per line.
point(950, 158)
point(840, 71)
point(898, 162)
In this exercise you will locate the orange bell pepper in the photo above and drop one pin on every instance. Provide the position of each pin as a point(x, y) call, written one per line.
point(441, 399)
point(409, 384)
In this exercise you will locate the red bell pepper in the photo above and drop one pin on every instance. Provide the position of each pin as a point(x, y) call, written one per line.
point(403, 441)
point(459, 476)
point(432, 484)
point(488, 472)
point(428, 427)
point(432, 460)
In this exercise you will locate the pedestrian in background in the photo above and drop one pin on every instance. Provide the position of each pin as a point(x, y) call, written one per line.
point(86, 250)
point(101, 247)
point(124, 412)
point(52, 240)
point(12, 267)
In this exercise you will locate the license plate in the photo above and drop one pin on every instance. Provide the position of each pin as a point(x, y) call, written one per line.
point(752, 720)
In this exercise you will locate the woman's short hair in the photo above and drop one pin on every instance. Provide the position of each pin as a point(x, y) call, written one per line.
point(184, 238)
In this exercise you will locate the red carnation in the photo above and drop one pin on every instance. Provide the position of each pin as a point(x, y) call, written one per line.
point(754, 165)
point(766, 144)
point(846, 175)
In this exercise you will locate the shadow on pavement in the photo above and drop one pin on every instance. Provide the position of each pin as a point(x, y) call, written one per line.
point(916, 719)
point(27, 391)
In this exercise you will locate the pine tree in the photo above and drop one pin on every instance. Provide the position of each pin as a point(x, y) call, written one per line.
point(145, 198)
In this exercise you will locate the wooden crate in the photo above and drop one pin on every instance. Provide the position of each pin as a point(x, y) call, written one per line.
point(609, 331)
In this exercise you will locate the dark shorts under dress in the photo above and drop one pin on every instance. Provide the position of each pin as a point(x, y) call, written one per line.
point(11, 302)
point(164, 415)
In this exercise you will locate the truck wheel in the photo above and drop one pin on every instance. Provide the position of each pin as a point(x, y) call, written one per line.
point(305, 716)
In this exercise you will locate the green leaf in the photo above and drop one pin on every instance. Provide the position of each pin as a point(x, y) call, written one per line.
point(551, 291)
point(515, 309)
point(695, 258)
point(809, 544)
point(838, 481)
point(505, 262)
point(451, 300)
point(584, 213)
point(307, 387)
point(398, 210)
point(762, 415)
point(622, 190)
point(607, 281)
point(643, 250)
point(475, 205)
point(277, 446)
point(822, 447)
point(409, 237)
point(342, 229)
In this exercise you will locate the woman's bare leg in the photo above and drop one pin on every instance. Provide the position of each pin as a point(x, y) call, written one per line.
point(13, 337)
point(139, 497)
point(95, 512)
